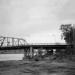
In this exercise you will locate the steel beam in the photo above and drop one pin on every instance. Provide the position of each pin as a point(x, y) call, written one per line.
point(11, 41)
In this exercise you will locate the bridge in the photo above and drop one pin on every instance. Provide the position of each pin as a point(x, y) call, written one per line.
point(11, 43)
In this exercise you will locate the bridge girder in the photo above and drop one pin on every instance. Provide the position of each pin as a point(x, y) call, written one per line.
point(11, 41)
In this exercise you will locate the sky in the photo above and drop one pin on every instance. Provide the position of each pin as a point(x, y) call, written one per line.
point(35, 20)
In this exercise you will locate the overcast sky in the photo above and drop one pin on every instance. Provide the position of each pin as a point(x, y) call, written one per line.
point(29, 18)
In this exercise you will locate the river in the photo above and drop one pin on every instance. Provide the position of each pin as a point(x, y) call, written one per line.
point(4, 57)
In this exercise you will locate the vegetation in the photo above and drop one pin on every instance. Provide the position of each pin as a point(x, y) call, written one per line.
point(67, 33)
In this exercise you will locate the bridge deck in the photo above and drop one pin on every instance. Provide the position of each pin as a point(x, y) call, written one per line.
point(35, 47)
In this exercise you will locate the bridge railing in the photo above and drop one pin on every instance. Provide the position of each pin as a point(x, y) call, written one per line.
point(47, 44)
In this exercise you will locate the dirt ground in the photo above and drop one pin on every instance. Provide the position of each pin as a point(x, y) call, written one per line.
point(43, 67)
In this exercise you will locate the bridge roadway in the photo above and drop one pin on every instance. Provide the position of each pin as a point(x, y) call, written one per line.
point(37, 46)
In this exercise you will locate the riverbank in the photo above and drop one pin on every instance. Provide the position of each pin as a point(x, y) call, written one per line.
point(43, 67)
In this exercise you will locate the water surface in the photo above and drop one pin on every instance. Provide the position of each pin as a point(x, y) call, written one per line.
point(4, 57)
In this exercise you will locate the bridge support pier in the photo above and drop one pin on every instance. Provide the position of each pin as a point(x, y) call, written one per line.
point(25, 54)
point(28, 53)
point(31, 52)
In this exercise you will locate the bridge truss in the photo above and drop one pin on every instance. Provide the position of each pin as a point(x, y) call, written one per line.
point(11, 41)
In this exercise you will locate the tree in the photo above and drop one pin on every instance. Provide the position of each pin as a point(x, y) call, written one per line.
point(67, 32)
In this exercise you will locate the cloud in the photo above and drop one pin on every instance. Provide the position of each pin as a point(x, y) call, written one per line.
point(46, 37)
point(67, 14)
point(25, 17)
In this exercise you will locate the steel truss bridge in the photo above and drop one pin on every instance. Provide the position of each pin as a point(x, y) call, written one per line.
point(11, 43)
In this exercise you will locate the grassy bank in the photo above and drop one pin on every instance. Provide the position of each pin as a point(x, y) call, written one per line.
point(43, 67)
